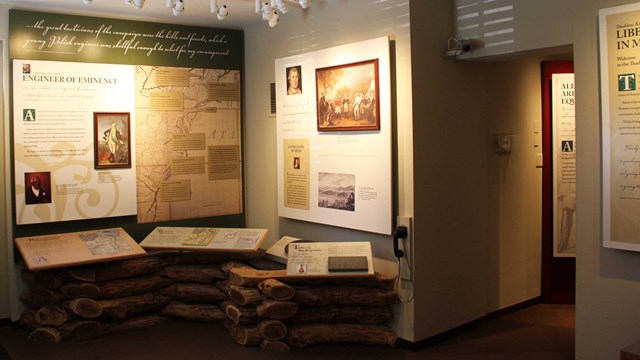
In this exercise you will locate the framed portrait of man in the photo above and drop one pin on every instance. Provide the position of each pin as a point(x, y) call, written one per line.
point(112, 140)
point(37, 188)
point(294, 80)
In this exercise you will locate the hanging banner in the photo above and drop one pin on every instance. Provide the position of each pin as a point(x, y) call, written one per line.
point(60, 37)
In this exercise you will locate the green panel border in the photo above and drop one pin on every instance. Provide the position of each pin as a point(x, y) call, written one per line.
point(60, 37)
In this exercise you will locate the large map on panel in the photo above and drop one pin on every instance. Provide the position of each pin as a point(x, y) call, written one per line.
point(188, 143)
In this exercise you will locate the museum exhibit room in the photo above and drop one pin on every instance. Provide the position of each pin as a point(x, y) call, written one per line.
point(314, 179)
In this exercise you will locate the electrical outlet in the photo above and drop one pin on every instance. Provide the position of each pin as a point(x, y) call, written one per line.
point(406, 262)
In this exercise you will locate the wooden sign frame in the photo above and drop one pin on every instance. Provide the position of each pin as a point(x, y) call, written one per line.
point(77, 248)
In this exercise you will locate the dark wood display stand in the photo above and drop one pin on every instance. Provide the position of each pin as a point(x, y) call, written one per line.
point(251, 296)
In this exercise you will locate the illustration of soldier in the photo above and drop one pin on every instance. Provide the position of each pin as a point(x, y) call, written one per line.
point(114, 139)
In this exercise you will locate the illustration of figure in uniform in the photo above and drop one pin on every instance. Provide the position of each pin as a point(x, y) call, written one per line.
point(113, 138)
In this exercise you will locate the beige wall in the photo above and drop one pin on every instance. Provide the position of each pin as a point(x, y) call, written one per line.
point(535, 24)
point(450, 167)
point(515, 215)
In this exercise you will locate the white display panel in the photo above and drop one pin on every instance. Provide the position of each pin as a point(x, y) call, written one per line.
point(54, 106)
point(564, 165)
point(620, 99)
point(327, 174)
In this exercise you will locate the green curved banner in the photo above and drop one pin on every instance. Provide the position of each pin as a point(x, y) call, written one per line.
point(59, 37)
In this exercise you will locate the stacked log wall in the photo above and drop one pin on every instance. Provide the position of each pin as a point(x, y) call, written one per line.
point(83, 302)
point(301, 311)
point(251, 296)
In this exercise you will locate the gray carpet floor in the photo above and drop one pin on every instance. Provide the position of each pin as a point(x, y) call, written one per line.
point(540, 332)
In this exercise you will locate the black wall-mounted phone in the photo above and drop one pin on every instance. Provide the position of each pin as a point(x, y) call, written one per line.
point(400, 233)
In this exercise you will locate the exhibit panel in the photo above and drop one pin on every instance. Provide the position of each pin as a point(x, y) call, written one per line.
point(77, 248)
point(189, 143)
point(65, 167)
point(334, 136)
point(564, 165)
point(122, 119)
point(204, 239)
point(619, 67)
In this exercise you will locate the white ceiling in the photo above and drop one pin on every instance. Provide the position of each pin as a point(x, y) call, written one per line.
point(197, 12)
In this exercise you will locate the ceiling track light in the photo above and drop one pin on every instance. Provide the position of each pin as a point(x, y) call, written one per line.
point(266, 10)
point(274, 18)
point(281, 5)
point(269, 9)
point(220, 10)
point(178, 7)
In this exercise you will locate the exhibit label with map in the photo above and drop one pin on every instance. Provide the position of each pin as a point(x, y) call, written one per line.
point(204, 239)
point(77, 248)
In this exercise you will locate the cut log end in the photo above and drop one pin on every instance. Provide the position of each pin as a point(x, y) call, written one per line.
point(279, 310)
point(246, 335)
point(46, 334)
point(76, 330)
point(272, 329)
point(276, 290)
point(52, 315)
point(274, 345)
point(244, 295)
point(83, 307)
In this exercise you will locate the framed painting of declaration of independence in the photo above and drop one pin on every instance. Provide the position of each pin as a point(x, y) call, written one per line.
point(347, 97)
point(112, 140)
